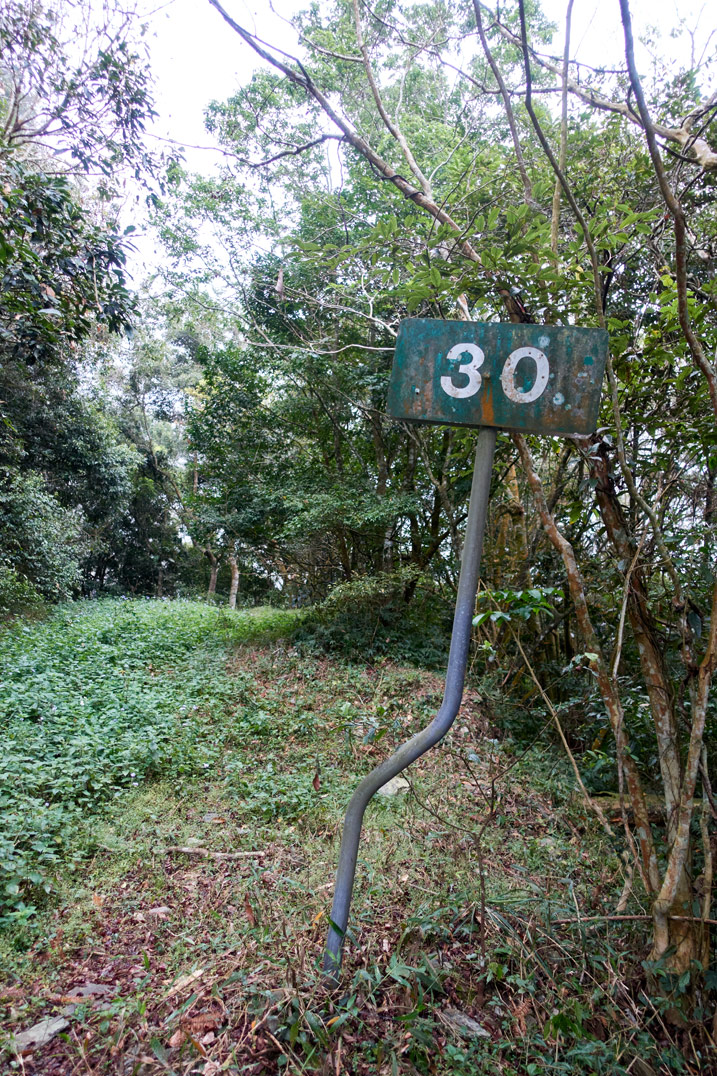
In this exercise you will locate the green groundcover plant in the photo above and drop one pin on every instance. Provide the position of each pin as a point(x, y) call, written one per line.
point(100, 698)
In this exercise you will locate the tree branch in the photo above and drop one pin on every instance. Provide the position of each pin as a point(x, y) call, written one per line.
point(677, 212)
point(382, 169)
point(703, 154)
point(510, 115)
point(555, 221)
point(606, 684)
point(391, 126)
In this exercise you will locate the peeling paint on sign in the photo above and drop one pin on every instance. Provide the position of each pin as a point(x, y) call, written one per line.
point(465, 373)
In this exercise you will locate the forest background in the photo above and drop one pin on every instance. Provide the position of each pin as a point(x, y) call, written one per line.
point(222, 430)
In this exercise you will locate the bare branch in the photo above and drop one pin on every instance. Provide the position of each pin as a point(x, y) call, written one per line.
point(702, 153)
point(597, 285)
point(382, 169)
point(677, 212)
point(391, 126)
point(555, 221)
point(606, 683)
point(510, 115)
point(293, 152)
point(328, 52)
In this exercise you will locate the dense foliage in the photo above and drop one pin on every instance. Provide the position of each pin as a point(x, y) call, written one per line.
point(66, 110)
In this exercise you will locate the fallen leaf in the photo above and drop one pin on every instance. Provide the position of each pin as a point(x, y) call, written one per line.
point(11, 992)
point(97, 900)
point(317, 781)
point(78, 994)
point(464, 1024)
point(198, 1046)
point(178, 1038)
point(203, 1021)
point(249, 911)
point(209, 1037)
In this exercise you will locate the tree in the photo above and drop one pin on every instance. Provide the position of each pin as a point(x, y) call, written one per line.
point(41, 541)
point(74, 97)
point(298, 402)
point(74, 88)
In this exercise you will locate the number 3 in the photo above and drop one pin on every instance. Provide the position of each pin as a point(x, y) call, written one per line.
point(470, 369)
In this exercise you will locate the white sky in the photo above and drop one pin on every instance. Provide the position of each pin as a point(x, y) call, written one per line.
point(197, 58)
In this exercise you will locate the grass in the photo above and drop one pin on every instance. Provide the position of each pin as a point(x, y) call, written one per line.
point(167, 957)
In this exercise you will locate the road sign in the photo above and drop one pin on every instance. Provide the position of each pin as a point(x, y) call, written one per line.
point(530, 378)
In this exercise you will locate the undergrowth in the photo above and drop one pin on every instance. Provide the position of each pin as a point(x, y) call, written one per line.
point(100, 698)
point(209, 779)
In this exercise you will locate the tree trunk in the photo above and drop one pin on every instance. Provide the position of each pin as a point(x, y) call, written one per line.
point(677, 942)
point(213, 572)
point(234, 588)
point(344, 555)
point(671, 899)
point(646, 857)
point(384, 553)
point(644, 630)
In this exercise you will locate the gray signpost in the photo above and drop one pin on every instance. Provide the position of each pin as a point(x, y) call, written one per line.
point(532, 378)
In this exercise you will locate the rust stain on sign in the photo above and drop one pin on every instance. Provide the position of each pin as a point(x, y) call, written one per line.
point(531, 378)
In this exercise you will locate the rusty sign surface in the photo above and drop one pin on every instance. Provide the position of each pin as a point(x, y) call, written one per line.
point(531, 378)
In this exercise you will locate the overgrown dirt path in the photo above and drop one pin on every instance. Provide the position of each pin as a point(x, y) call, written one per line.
point(188, 935)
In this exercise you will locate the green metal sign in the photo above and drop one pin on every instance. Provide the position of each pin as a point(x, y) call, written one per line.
point(530, 378)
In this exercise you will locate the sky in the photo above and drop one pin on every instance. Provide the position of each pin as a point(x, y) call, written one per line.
point(197, 58)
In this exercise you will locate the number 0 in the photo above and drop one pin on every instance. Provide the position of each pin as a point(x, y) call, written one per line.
point(542, 373)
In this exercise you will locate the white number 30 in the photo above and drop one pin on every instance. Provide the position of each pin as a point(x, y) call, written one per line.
point(507, 377)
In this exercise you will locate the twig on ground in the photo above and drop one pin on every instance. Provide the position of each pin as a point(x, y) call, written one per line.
point(618, 918)
point(207, 853)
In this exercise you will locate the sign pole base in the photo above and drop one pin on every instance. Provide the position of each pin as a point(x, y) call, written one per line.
point(453, 693)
